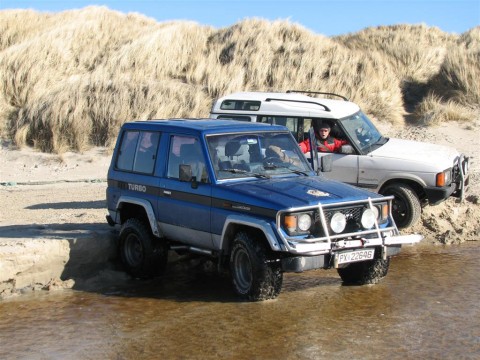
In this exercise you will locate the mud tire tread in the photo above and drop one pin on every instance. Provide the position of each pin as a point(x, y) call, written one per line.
point(267, 276)
point(365, 272)
point(154, 251)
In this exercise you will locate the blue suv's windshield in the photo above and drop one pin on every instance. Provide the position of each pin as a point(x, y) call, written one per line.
point(259, 154)
point(362, 131)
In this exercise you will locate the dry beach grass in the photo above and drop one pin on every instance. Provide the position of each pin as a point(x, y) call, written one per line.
point(69, 80)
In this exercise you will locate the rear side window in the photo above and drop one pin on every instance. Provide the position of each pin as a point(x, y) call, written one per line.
point(295, 125)
point(240, 105)
point(138, 151)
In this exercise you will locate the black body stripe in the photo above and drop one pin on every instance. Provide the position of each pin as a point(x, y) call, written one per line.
point(194, 198)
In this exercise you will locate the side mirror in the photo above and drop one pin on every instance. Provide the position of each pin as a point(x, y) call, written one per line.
point(346, 149)
point(326, 163)
point(185, 175)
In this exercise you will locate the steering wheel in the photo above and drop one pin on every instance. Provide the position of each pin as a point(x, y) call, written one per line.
point(363, 135)
point(271, 160)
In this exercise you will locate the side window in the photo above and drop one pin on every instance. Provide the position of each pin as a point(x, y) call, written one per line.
point(240, 105)
point(307, 124)
point(138, 151)
point(186, 150)
point(127, 150)
point(146, 152)
point(294, 124)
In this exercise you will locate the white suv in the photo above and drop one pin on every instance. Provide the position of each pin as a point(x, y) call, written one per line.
point(415, 173)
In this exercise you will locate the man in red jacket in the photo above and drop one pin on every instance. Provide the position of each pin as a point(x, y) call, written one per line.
point(325, 142)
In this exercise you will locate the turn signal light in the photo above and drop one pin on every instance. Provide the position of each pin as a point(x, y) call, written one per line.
point(441, 179)
point(290, 222)
point(385, 211)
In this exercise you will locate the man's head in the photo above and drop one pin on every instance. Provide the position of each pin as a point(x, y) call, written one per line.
point(323, 130)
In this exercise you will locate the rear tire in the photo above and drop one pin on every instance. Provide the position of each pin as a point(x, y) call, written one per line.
point(142, 255)
point(253, 276)
point(406, 209)
point(364, 272)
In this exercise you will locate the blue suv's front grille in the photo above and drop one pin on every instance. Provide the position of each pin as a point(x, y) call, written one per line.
point(353, 215)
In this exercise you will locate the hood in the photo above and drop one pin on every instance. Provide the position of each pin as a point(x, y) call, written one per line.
point(438, 156)
point(287, 192)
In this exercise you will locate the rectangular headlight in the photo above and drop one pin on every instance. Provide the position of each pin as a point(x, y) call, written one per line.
point(298, 223)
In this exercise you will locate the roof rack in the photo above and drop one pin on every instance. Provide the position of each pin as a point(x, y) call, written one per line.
point(326, 108)
point(318, 93)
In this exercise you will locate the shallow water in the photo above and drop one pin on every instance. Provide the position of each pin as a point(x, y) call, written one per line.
point(427, 307)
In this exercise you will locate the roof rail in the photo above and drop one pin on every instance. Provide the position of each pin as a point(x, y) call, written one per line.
point(326, 108)
point(318, 93)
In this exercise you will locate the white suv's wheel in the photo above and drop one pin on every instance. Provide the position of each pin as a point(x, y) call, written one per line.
point(406, 209)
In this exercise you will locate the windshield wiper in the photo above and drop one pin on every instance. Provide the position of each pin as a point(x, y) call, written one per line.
point(271, 166)
point(375, 145)
point(298, 172)
point(383, 140)
point(240, 171)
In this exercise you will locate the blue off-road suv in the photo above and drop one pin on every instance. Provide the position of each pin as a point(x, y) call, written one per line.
point(244, 195)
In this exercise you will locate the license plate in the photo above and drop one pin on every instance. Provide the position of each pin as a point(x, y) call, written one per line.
point(354, 256)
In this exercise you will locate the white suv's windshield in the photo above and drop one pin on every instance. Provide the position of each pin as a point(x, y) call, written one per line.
point(362, 131)
point(257, 154)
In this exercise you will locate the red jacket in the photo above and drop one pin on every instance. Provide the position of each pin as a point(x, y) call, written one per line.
point(329, 145)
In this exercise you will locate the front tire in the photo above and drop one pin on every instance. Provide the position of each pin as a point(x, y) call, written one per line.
point(142, 254)
point(253, 276)
point(406, 209)
point(364, 272)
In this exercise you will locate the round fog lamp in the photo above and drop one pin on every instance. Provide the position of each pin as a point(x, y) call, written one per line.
point(338, 222)
point(304, 222)
point(368, 219)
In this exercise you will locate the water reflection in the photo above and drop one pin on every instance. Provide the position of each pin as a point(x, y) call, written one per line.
point(427, 307)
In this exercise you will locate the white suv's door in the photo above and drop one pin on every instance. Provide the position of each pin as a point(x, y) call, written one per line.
point(344, 168)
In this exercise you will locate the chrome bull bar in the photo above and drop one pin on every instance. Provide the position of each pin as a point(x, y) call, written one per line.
point(463, 164)
point(384, 237)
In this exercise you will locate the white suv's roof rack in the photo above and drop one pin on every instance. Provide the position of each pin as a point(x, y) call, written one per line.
point(317, 93)
point(325, 107)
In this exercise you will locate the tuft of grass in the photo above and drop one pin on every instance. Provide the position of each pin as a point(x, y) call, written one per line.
point(433, 111)
point(415, 52)
point(459, 77)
